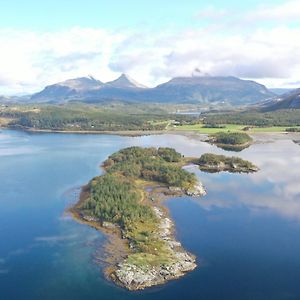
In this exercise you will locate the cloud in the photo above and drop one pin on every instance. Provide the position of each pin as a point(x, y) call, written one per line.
point(211, 13)
point(30, 60)
point(287, 11)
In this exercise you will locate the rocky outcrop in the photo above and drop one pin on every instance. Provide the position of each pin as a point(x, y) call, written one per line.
point(197, 190)
point(136, 277)
point(232, 168)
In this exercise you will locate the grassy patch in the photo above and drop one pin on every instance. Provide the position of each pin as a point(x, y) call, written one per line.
point(144, 260)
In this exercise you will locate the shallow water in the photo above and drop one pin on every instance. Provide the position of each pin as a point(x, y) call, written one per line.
point(245, 232)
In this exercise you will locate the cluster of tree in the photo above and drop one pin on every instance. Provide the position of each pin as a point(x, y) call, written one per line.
point(88, 117)
point(139, 154)
point(114, 197)
point(292, 129)
point(68, 120)
point(231, 138)
point(115, 200)
point(150, 164)
point(284, 117)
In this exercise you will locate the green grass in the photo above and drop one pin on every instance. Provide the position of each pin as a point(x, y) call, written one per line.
point(273, 129)
point(146, 260)
point(232, 128)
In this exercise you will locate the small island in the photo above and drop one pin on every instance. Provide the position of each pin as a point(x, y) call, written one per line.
point(231, 141)
point(126, 202)
point(216, 163)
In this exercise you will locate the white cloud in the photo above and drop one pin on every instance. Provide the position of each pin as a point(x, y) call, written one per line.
point(287, 11)
point(211, 12)
point(31, 60)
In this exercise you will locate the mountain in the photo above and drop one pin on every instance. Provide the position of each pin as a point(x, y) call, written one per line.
point(286, 101)
point(4, 99)
point(71, 88)
point(280, 91)
point(14, 99)
point(209, 89)
point(195, 89)
point(125, 81)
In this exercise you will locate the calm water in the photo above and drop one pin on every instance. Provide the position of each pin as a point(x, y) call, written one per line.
point(245, 232)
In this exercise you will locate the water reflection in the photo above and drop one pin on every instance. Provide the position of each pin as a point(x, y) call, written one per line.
point(243, 224)
point(274, 188)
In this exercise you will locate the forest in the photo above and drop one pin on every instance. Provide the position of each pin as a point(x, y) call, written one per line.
point(80, 117)
point(115, 196)
point(284, 117)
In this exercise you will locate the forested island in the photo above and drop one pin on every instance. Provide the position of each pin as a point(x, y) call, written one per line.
point(127, 201)
point(215, 163)
point(232, 141)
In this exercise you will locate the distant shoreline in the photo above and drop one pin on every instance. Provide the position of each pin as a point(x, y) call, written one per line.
point(137, 133)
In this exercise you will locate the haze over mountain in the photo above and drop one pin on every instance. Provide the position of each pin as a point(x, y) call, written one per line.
point(195, 89)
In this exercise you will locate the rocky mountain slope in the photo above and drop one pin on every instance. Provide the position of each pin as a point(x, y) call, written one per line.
point(290, 100)
point(194, 89)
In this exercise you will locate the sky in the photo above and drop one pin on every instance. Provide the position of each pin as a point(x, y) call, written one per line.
point(44, 42)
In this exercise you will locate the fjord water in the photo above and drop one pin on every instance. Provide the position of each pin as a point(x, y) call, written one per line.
point(245, 232)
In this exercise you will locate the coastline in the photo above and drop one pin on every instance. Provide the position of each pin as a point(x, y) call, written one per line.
point(136, 133)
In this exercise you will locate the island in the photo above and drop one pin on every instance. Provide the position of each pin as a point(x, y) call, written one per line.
point(216, 163)
point(126, 202)
point(231, 141)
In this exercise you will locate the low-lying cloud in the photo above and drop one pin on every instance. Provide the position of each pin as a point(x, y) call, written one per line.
point(30, 60)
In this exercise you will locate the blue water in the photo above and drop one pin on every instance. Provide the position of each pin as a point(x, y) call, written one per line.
point(245, 232)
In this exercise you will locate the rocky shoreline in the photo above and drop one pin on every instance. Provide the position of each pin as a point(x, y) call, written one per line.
point(234, 168)
point(138, 277)
point(135, 277)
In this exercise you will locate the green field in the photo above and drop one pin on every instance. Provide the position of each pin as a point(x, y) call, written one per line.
point(232, 128)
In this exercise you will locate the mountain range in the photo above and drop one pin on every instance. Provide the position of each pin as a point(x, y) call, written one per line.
point(289, 100)
point(195, 89)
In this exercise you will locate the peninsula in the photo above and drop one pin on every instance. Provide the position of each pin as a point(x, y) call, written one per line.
point(126, 202)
